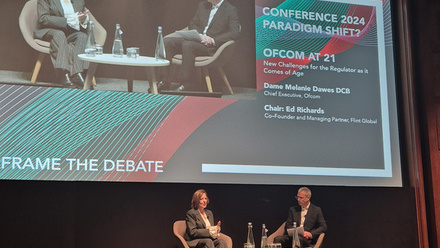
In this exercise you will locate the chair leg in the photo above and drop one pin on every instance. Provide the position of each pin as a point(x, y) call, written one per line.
point(172, 72)
point(94, 81)
point(199, 77)
point(37, 67)
point(225, 79)
point(152, 79)
point(207, 79)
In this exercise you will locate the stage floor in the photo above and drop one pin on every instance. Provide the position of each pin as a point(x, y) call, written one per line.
point(114, 84)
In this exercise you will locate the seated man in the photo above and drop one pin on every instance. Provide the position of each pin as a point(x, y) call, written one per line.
point(308, 216)
point(64, 24)
point(217, 22)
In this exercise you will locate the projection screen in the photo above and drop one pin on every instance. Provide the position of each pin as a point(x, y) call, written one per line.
point(323, 112)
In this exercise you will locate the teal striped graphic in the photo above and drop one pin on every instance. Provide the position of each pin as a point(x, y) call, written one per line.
point(62, 123)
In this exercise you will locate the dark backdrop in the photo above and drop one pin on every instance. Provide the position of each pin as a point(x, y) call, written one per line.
point(100, 214)
point(88, 214)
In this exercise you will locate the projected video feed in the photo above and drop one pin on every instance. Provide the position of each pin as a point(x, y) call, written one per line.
point(324, 112)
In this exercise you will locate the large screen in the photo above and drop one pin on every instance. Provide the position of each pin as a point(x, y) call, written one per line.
point(322, 111)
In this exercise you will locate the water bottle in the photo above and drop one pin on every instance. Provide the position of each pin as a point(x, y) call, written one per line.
point(118, 49)
point(91, 44)
point(250, 243)
point(264, 237)
point(159, 53)
point(295, 238)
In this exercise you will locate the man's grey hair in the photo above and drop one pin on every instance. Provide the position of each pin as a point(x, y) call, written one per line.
point(306, 190)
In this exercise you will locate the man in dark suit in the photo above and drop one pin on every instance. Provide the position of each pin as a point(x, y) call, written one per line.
point(217, 22)
point(63, 23)
point(308, 216)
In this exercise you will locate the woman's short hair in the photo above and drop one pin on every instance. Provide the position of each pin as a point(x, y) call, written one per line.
point(196, 198)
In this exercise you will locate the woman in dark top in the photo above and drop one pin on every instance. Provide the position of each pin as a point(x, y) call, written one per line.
point(200, 229)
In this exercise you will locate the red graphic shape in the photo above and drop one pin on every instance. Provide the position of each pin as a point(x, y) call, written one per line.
point(168, 136)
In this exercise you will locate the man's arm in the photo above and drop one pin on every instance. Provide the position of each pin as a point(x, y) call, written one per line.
point(46, 19)
point(233, 27)
point(321, 225)
point(290, 218)
point(225, 27)
point(195, 22)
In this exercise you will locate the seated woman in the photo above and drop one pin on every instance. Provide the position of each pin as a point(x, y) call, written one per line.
point(200, 229)
point(64, 23)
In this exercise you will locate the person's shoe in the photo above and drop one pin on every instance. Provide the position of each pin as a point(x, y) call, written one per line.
point(180, 88)
point(78, 81)
point(160, 86)
point(65, 81)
